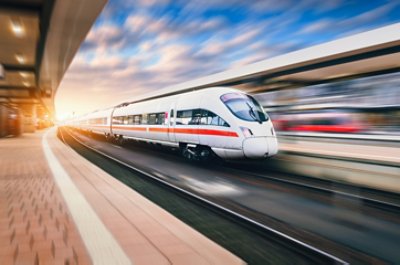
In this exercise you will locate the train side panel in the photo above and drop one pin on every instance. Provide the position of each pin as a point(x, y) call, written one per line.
point(99, 121)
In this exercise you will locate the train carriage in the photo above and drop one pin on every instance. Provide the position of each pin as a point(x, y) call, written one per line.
point(217, 120)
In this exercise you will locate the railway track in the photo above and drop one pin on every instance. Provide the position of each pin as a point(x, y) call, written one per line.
point(309, 254)
point(374, 198)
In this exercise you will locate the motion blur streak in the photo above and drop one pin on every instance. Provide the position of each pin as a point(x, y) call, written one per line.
point(367, 105)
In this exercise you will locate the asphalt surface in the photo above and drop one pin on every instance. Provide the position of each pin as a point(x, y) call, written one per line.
point(340, 226)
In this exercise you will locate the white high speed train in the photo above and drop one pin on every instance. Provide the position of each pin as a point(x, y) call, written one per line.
point(219, 120)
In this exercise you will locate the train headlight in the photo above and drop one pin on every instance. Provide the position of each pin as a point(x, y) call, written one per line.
point(246, 132)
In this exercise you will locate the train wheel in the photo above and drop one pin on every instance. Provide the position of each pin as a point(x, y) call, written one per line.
point(191, 153)
point(188, 154)
point(199, 153)
point(203, 153)
point(120, 140)
point(114, 139)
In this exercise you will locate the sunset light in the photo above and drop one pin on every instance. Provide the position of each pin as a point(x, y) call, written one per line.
point(223, 132)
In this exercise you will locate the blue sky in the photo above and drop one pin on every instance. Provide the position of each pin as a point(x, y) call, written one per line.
point(138, 46)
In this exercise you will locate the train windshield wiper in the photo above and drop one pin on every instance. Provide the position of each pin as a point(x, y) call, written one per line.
point(253, 114)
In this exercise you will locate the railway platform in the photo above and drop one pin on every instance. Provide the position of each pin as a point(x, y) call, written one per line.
point(360, 162)
point(58, 208)
point(377, 152)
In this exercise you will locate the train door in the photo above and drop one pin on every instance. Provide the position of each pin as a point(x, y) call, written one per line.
point(111, 121)
point(186, 118)
point(171, 123)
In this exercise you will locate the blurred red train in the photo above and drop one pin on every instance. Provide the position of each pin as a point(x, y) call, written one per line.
point(321, 121)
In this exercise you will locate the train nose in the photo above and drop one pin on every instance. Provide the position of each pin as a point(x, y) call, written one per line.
point(260, 147)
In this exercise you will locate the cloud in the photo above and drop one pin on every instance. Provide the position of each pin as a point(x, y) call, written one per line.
point(143, 22)
point(351, 25)
point(367, 17)
point(136, 22)
point(317, 26)
point(109, 36)
point(149, 3)
point(243, 36)
point(139, 46)
point(146, 53)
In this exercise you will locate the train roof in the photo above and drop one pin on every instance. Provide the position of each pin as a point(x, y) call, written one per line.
point(151, 97)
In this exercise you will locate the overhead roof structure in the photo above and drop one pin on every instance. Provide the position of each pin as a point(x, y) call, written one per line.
point(38, 40)
point(374, 51)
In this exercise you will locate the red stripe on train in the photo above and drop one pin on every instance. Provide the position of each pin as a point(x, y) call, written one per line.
point(177, 130)
point(195, 131)
point(129, 128)
point(205, 132)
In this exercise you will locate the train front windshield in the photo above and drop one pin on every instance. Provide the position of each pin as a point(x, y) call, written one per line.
point(244, 107)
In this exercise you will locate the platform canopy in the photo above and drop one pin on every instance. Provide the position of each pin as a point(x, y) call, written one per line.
point(38, 40)
point(372, 52)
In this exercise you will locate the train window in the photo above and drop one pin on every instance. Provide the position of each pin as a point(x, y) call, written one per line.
point(160, 118)
point(215, 121)
point(117, 120)
point(137, 119)
point(171, 117)
point(218, 121)
point(144, 119)
point(244, 107)
point(207, 117)
point(152, 119)
point(199, 116)
point(156, 118)
point(130, 119)
point(210, 118)
point(223, 123)
point(183, 117)
point(196, 116)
